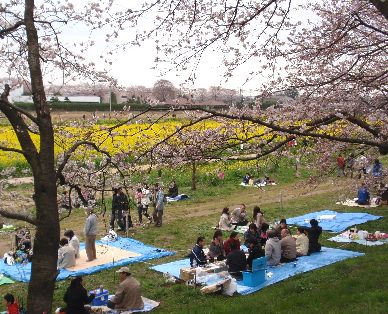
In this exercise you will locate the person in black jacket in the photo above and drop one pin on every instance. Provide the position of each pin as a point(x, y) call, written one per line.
point(120, 210)
point(251, 235)
point(313, 233)
point(236, 261)
point(197, 256)
point(76, 297)
point(255, 251)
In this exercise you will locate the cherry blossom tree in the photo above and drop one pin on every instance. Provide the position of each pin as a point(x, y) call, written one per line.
point(164, 90)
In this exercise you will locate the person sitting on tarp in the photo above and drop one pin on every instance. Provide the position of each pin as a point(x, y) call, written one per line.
point(239, 216)
point(255, 251)
point(233, 238)
point(246, 178)
point(76, 297)
point(251, 235)
point(377, 168)
point(128, 294)
point(288, 247)
point(10, 304)
point(313, 233)
point(236, 261)
point(302, 242)
point(73, 241)
point(197, 256)
point(282, 225)
point(173, 189)
point(224, 222)
point(273, 251)
point(384, 194)
point(66, 254)
point(263, 233)
point(216, 248)
point(363, 195)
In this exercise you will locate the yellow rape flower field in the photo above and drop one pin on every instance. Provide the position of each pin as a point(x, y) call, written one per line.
point(136, 137)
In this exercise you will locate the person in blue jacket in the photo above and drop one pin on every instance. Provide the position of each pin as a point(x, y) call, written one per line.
point(197, 256)
point(363, 195)
point(377, 169)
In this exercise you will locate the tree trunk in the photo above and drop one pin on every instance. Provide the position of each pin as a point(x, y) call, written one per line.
point(44, 262)
point(194, 176)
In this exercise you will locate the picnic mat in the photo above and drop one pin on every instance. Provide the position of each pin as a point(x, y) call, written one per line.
point(149, 305)
point(345, 237)
point(5, 280)
point(180, 197)
point(105, 254)
point(275, 274)
point(22, 273)
point(332, 221)
point(352, 203)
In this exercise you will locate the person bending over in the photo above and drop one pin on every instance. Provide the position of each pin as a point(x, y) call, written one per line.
point(255, 251)
point(233, 238)
point(273, 251)
point(288, 246)
point(251, 235)
point(302, 242)
point(236, 261)
point(313, 233)
point(197, 256)
point(10, 304)
point(216, 248)
point(66, 254)
point(76, 297)
point(128, 294)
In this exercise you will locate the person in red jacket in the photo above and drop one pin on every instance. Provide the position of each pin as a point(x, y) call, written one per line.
point(11, 305)
point(341, 165)
point(233, 238)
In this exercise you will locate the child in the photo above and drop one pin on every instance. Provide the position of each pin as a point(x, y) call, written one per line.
point(12, 306)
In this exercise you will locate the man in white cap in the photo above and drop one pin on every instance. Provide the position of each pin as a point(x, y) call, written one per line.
point(128, 294)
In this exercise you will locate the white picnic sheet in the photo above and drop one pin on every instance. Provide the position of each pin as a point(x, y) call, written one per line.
point(352, 203)
point(149, 305)
point(345, 237)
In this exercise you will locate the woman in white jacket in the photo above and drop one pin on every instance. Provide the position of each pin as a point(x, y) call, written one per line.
point(224, 223)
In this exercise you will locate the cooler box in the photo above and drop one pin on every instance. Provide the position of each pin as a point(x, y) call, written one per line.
point(257, 275)
point(101, 297)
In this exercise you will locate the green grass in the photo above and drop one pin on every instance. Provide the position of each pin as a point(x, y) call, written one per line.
point(353, 286)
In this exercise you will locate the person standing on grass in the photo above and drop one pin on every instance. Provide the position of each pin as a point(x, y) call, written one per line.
point(145, 202)
point(159, 206)
point(91, 230)
point(341, 165)
point(115, 210)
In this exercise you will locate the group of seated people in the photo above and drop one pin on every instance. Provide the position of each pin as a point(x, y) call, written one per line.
point(277, 245)
point(239, 217)
point(68, 250)
point(250, 180)
point(364, 197)
point(127, 296)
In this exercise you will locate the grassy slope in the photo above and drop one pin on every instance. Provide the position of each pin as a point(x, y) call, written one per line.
point(353, 286)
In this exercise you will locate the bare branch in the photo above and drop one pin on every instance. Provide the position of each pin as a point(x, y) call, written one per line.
point(5, 31)
point(12, 215)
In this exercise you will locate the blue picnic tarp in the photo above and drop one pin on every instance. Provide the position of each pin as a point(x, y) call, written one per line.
point(341, 222)
point(275, 274)
point(20, 272)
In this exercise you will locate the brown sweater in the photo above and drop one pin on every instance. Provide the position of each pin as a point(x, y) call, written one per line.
point(128, 295)
point(288, 245)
